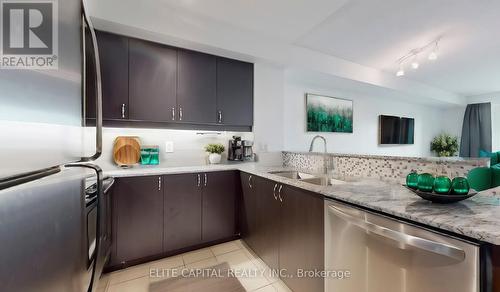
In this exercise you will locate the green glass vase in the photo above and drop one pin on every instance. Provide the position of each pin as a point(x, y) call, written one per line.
point(460, 186)
point(412, 180)
point(425, 182)
point(145, 156)
point(442, 185)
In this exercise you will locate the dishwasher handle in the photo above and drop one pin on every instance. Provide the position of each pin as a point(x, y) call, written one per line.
point(414, 241)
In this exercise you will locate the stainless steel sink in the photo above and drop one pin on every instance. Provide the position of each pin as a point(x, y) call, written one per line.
point(293, 174)
point(323, 181)
point(311, 178)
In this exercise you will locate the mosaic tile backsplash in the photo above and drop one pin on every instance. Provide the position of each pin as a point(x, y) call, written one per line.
point(386, 168)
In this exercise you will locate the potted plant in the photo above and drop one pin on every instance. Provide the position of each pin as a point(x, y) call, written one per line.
point(215, 151)
point(445, 145)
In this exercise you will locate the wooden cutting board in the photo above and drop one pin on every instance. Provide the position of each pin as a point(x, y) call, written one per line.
point(127, 150)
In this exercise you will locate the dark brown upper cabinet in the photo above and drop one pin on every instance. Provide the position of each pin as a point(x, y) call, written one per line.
point(182, 225)
point(196, 87)
point(234, 92)
point(220, 193)
point(146, 84)
point(113, 56)
point(152, 82)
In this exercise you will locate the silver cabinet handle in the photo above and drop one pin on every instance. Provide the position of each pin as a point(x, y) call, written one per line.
point(159, 183)
point(123, 110)
point(199, 180)
point(206, 180)
point(279, 193)
point(250, 182)
point(417, 242)
point(219, 117)
point(274, 191)
point(180, 113)
point(173, 114)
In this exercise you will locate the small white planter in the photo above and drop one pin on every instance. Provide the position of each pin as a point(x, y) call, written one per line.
point(214, 158)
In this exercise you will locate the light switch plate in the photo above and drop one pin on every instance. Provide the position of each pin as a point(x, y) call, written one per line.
point(169, 146)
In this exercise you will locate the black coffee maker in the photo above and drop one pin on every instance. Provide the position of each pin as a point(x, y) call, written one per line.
point(235, 149)
point(240, 150)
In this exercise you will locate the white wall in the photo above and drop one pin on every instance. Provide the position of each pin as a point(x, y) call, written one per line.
point(367, 108)
point(268, 108)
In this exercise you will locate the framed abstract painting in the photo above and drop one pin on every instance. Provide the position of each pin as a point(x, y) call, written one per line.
point(328, 114)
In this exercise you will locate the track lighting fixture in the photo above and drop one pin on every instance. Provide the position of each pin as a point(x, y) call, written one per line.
point(413, 55)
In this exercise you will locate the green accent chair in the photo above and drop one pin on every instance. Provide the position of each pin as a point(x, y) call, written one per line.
point(494, 156)
point(483, 178)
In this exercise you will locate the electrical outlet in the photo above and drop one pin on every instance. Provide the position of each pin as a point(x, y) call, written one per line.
point(169, 146)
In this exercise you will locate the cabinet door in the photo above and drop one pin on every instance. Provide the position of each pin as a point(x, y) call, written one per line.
point(182, 211)
point(268, 222)
point(196, 95)
point(220, 191)
point(152, 82)
point(113, 56)
point(234, 92)
point(139, 217)
point(302, 237)
point(248, 209)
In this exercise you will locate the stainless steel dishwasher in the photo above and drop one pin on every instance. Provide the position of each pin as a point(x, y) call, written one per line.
point(374, 253)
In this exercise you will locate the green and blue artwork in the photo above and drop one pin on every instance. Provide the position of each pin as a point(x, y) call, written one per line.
point(328, 114)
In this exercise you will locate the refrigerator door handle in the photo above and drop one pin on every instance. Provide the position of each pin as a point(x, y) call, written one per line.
point(88, 21)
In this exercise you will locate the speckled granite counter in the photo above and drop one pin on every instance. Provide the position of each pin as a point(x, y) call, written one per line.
point(478, 217)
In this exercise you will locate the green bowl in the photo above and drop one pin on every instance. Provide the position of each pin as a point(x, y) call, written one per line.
point(442, 185)
point(460, 186)
point(425, 182)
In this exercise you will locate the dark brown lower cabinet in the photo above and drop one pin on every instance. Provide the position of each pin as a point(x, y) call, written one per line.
point(138, 217)
point(220, 191)
point(247, 209)
point(182, 226)
point(288, 233)
point(301, 245)
point(155, 216)
point(268, 222)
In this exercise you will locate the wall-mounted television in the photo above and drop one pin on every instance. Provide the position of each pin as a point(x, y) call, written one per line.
point(396, 130)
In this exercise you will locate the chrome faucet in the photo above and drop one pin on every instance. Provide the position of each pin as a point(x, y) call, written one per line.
point(325, 161)
point(314, 139)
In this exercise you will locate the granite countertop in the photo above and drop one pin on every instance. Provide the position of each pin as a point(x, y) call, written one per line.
point(477, 217)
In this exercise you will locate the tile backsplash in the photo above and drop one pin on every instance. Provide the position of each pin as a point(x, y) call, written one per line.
point(188, 145)
point(387, 168)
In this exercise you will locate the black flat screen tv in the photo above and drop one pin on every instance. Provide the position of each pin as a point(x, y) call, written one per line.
point(396, 130)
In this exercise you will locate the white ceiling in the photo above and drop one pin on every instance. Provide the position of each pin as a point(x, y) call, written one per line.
point(283, 19)
point(376, 33)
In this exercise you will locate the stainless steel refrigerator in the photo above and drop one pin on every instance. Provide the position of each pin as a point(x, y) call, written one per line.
point(49, 240)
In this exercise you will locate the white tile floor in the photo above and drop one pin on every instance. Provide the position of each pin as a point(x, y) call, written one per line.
point(235, 253)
